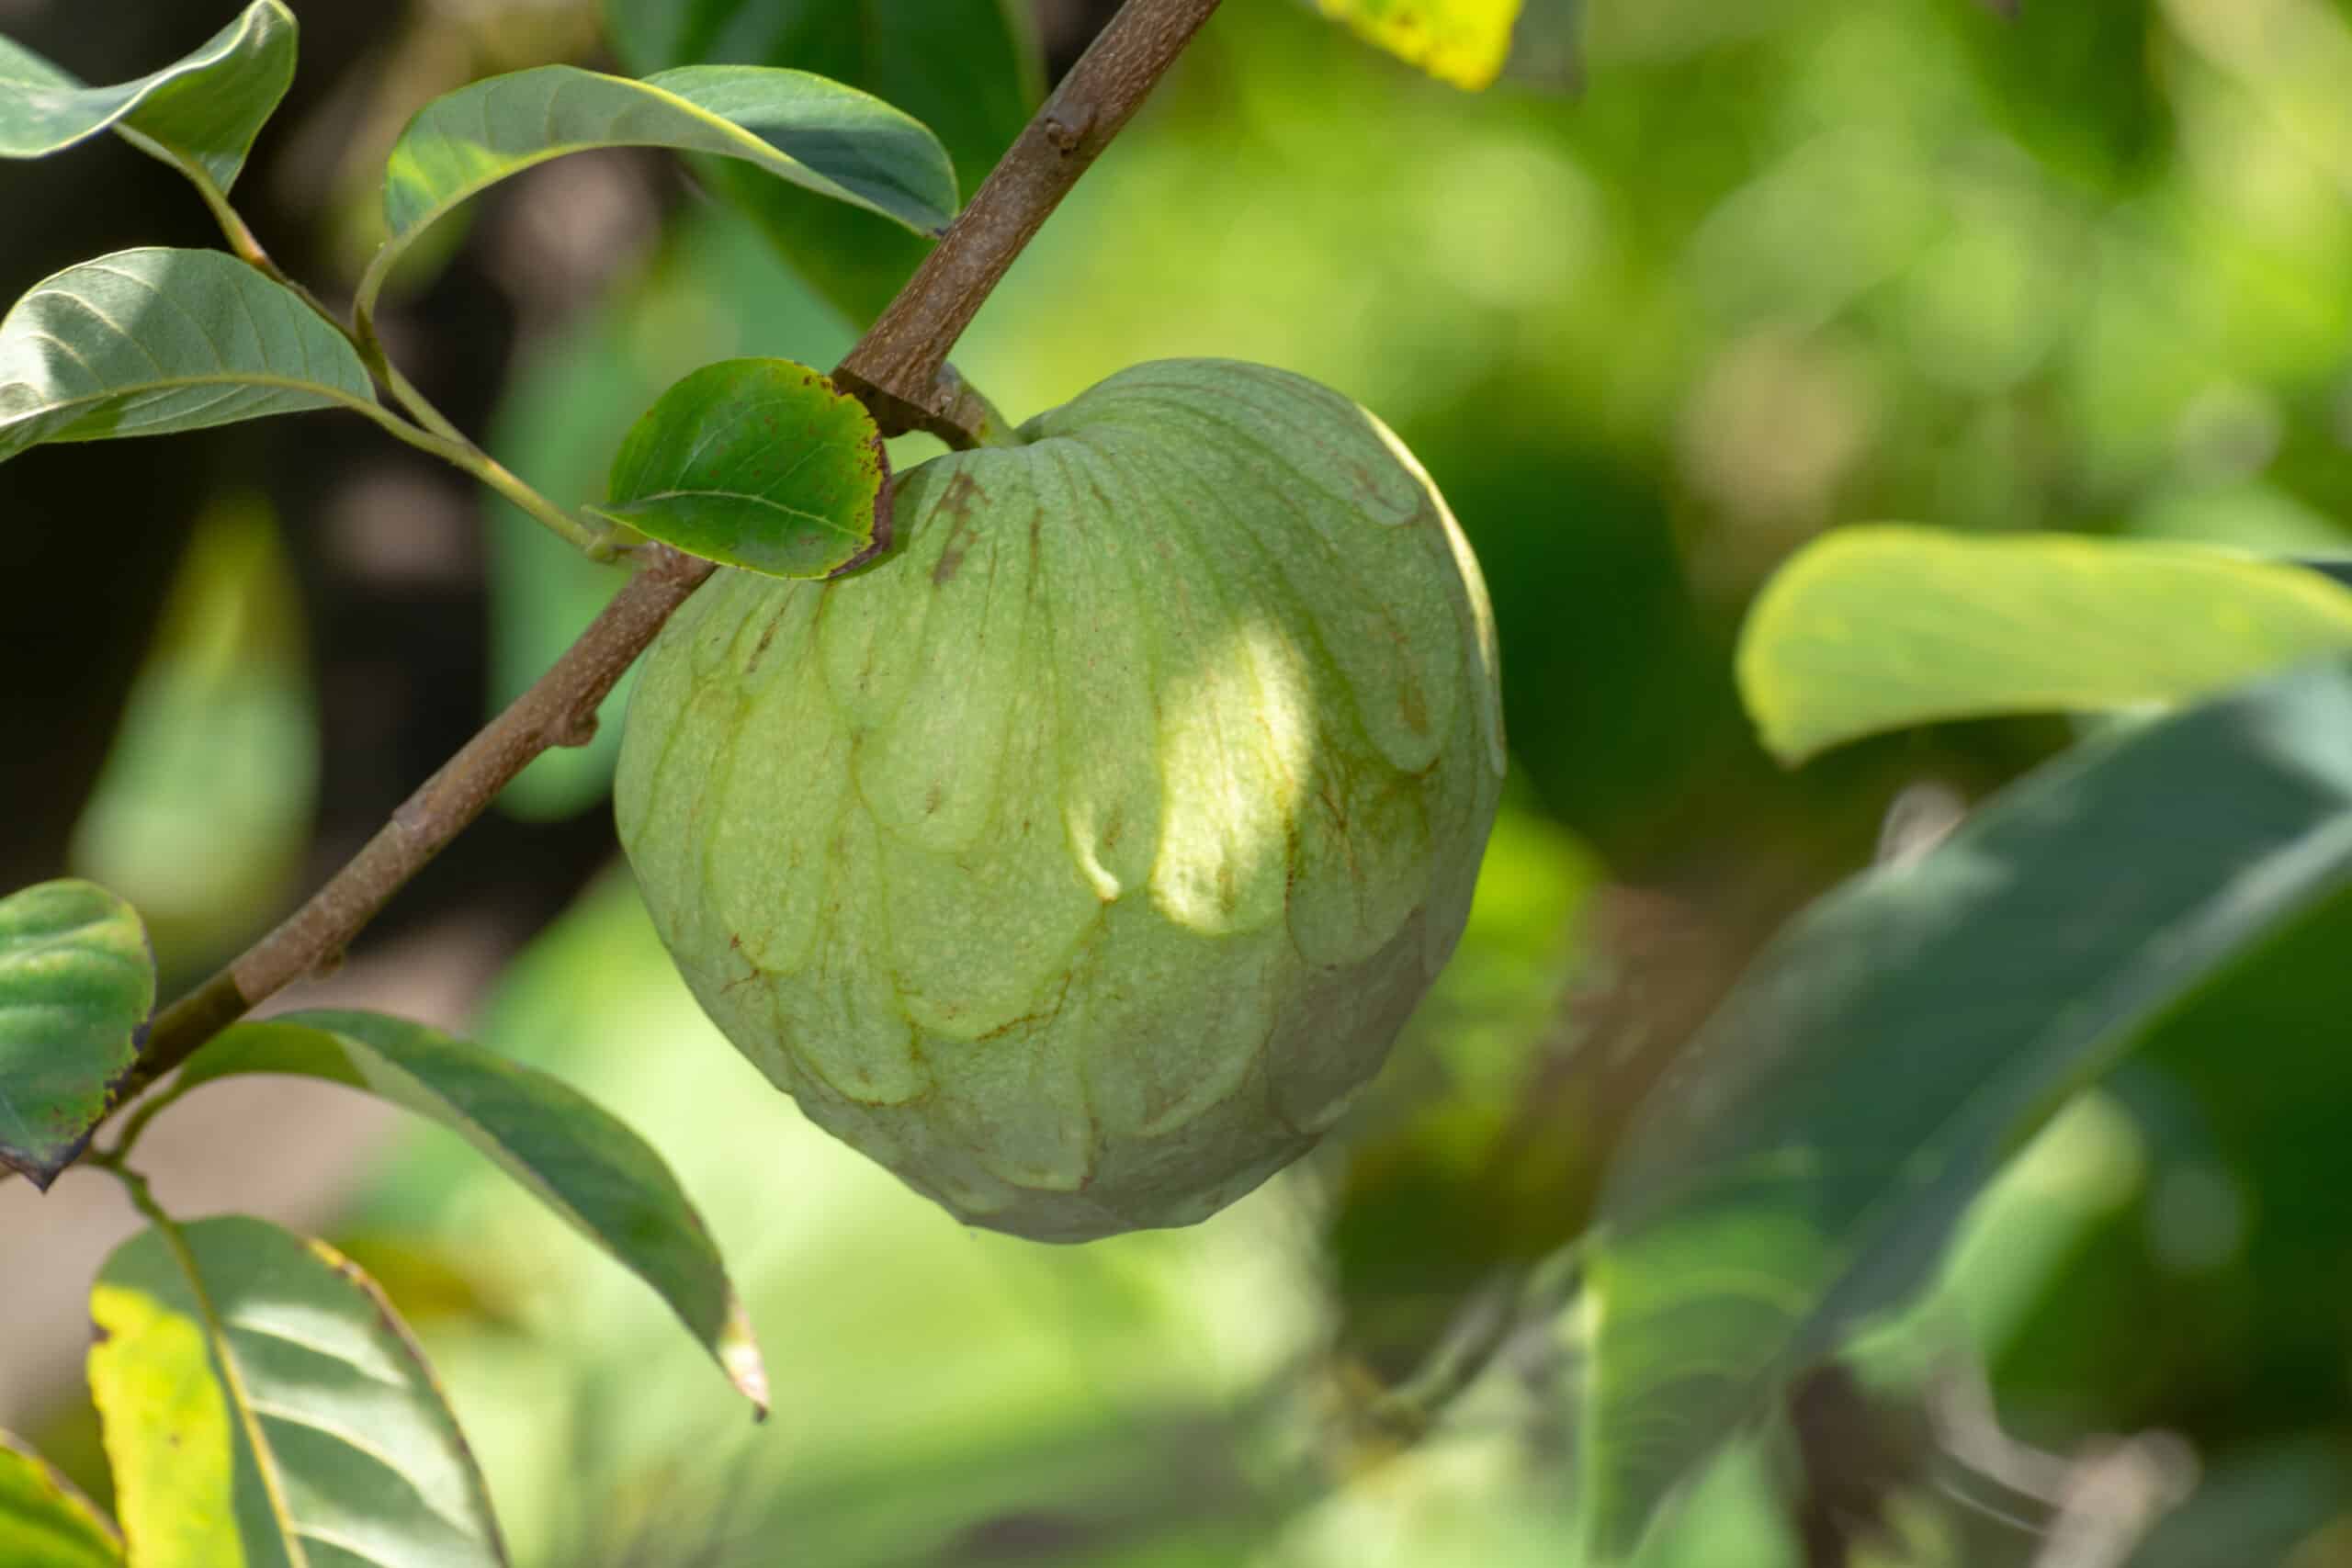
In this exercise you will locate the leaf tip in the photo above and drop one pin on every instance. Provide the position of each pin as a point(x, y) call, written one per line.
point(739, 1357)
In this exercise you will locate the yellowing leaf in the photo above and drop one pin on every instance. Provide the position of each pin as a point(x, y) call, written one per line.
point(1461, 41)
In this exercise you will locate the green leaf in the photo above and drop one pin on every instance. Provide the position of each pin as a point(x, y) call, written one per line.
point(817, 134)
point(263, 1404)
point(760, 464)
point(153, 341)
point(44, 1522)
point(76, 985)
point(968, 69)
point(1804, 1162)
point(200, 115)
point(202, 815)
point(1462, 41)
point(567, 1151)
point(1868, 629)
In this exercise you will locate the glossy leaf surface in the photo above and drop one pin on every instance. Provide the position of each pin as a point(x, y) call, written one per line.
point(1876, 628)
point(805, 129)
point(153, 341)
point(575, 1158)
point(76, 985)
point(199, 113)
point(760, 464)
point(262, 1405)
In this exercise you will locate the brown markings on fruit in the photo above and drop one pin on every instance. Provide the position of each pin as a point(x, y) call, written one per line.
point(1228, 895)
point(932, 798)
point(961, 492)
point(1414, 709)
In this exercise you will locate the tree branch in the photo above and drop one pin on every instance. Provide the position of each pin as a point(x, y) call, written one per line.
point(897, 369)
point(559, 710)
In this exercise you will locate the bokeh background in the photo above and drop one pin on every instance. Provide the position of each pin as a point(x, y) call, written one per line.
point(1694, 283)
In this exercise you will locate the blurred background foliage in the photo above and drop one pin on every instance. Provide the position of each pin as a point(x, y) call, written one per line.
point(1693, 282)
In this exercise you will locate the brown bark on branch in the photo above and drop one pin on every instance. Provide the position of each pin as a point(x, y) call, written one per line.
point(896, 368)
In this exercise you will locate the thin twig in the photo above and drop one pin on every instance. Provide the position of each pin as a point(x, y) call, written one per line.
point(896, 368)
point(559, 710)
point(895, 360)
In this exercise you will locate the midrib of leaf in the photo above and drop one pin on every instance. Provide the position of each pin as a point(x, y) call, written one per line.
point(757, 150)
point(233, 1379)
point(744, 496)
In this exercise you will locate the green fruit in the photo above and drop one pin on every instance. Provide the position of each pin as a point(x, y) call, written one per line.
point(1081, 859)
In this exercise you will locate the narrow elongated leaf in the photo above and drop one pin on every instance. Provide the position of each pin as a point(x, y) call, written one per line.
point(760, 464)
point(44, 1522)
point(572, 1156)
point(1868, 629)
point(152, 340)
point(811, 133)
point(76, 985)
point(1809, 1154)
point(263, 1404)
point(199, 113)
point(968, 69)
point(1461, 41)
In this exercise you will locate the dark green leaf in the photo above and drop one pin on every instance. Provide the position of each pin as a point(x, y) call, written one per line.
point(968, 69)
point(263, 1404)
point(148, 342)
point(200, 115)
point(1868, 629)
point(76, 985)
point(759, 464)
point(1806, 1160)
point(44, 1523)
point(572, 1156)
point(819, 135)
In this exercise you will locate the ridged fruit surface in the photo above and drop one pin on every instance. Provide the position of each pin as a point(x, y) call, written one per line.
point(1082, 858)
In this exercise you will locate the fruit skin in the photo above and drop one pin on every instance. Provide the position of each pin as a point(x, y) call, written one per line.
point(1082, 858)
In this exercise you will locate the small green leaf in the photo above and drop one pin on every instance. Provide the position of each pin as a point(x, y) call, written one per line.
point(263, 1404)
point(200, 115)
point(44, 1522)
point(814, 133)
point(76, 985)
point(153, 341)
point(567, 1151)
point(970, 69)
point(1462, 41)
point(760, 464)
point(1804, 1163)
point(1875, 628)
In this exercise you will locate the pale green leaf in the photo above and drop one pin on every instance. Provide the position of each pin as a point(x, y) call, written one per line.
point(582, 1162)
point(76, 985)
point(760, 464)
point(1875, 628)
point(1811, 1150)
point(263, 1404)
point(812, 133)
point(199, 113)
point(44, 1522)
point(202, 815)
point(153, 341)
